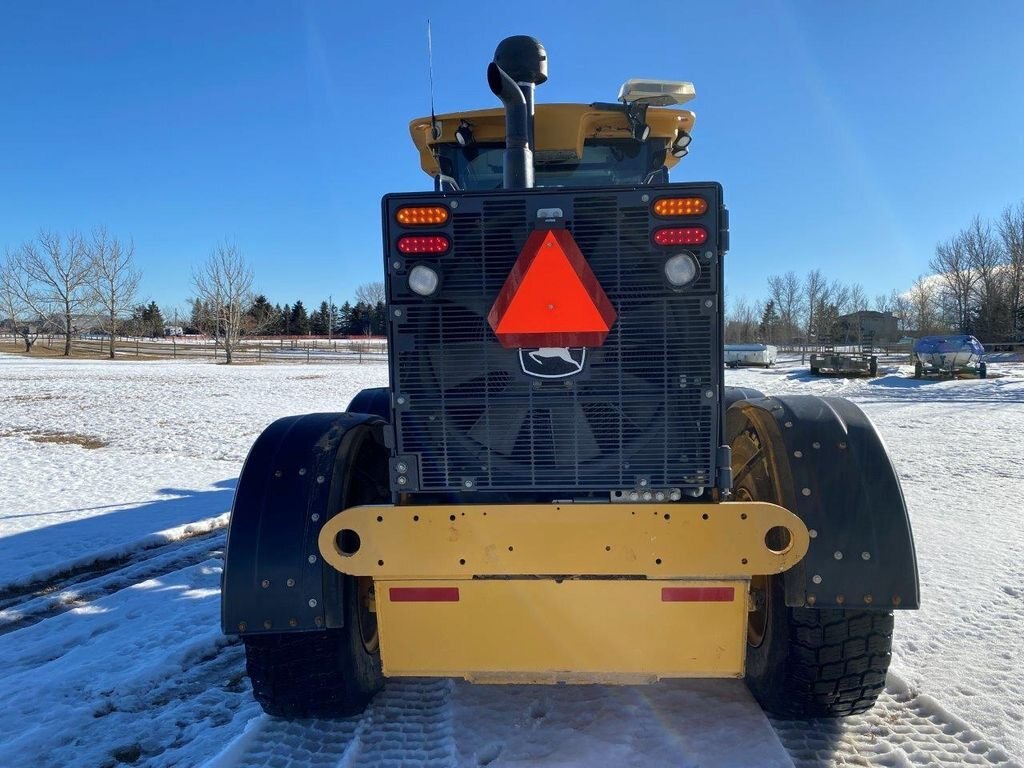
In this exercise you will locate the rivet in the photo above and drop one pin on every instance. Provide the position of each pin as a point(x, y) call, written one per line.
point(396, 264)
point(643, 482)
point(312, 602)
point(709, 303)
point(865, 555)
point(816, 579)
point(265, 583)
point(806, 491)
point(798, 454)
point(789, 424)
point(868, 599)
point(812, 532)
point(838, 555)
point(467, 483)
point(815, 445)
point(708, 254)
point(277, 473)
point(840, 599)
point(455, 203)
point(842, 446)
point(268, 624)
point(398, 313)
point(302, 471)
point(312, 559)
point(242, 626)
point(293, 622)
point(401, 400)
point(709, 393)
point(320, 478)
point(315, 516)
point(644, 198)
point(811, 600)
point(290, 582)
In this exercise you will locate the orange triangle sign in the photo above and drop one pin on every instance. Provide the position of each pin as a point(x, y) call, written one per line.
point(551, 298)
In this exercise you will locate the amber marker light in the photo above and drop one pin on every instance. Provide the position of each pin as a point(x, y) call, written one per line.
point(421, 215)
point(680, 236)
point(668, 207)
point(412, 244)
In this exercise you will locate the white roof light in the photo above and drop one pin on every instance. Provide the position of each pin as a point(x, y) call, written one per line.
point(656, 93)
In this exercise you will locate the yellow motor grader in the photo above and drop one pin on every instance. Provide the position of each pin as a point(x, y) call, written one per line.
point(557, 486)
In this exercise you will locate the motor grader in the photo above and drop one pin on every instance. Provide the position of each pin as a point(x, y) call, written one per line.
point(557, 486)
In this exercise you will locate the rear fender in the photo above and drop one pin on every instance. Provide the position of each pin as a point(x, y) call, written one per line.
point(301, 471)
point(832, 470)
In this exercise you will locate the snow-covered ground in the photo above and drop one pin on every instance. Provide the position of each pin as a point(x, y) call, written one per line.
point(115, 483)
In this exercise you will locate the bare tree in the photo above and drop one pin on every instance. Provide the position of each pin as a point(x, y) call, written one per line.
point(858, 298)
point(786, 292)
point(113, 278)
point(371, 293)
point(54, 280)
point(814, 286)
point(901, 307)
point(840, 293)
point(224, 287)
point(952, 264)
point(14, 310)
point(1011, 232)
point(922, 302)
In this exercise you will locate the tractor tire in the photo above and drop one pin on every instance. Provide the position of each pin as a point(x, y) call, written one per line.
point(818, 663)
point(918, 370)
point(327, 674)
point(804, 662)
point(982, 371)
point(815, 371)
point(873, 367)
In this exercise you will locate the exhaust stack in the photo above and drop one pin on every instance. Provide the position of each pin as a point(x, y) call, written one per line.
point(520, 65)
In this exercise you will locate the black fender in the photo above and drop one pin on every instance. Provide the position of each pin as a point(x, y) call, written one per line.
point(375, 400)
point(300, 472)
point(831, 469)
point(735, 394)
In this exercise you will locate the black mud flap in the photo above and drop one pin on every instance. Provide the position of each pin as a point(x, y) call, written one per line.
point(301, 471)
point(832, 470)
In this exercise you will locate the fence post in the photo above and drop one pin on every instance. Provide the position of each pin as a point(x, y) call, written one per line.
point(136, 347)
point(307, 354)
point(259, 353)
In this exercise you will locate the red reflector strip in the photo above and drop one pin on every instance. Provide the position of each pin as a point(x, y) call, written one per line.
point(423, 244)
point(680, 236)
point(698, 594)
point(424, 594)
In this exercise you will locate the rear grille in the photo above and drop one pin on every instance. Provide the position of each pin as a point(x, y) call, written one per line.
point(638, 415)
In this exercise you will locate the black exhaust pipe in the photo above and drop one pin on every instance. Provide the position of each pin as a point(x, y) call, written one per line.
point(520, 64)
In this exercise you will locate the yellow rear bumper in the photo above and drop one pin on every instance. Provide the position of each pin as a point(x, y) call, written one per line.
point(562, 593)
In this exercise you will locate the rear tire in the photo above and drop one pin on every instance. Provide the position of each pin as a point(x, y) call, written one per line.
point(982, 371)
point(873, 367)
point(805, 662)
point(918, 370)
point(818, 663)
point(333, 673)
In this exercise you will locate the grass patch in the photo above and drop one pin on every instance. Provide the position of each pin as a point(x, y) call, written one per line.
point(69, 438)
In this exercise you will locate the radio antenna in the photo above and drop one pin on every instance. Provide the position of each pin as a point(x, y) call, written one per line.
point(434, 127)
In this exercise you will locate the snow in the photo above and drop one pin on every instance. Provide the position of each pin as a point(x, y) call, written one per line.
point(110, 563)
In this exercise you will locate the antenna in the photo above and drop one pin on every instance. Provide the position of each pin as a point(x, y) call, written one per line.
point(435, 129)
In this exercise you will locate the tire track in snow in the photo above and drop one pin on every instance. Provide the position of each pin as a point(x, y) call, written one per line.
point(905, 728)
point(31, 604)
point(409, 723)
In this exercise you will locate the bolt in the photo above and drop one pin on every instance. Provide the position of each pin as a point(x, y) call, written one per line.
point(816, 579)
point(865, 555)
point(896, 600)
point(842, 446)
point(293, 622)
point(315, 516)
point(401, 400)
point(398, 313)
point(634, 496)
point(709, 303)
point(396, 264)
point(815, 445)
point(277, 473)
point(811, 599)
point(302, 471)
point(268, 624)
point(868, 599)
point(812, 533)
point(798, 454)
point(647, 495)
point(659, 496)
point(265, 583)
point(402, 480)
point(708, 254)
point(645, 198)
point(840, 599)
point(643, 482)
point(789, 424)
point(320, 479)
point(709, 393)
point(838, 555)
point(312, 559)
point(402, 467)
point(806, 491)
point(242, 626)
point(455, 203)
point(290, 582)
point(312, 602)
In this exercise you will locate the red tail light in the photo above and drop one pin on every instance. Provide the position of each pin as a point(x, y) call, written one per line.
point(412, 244)
point(681, 236)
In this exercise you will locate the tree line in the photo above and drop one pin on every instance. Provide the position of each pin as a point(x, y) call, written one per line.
point(976, 287)
point(69, 284)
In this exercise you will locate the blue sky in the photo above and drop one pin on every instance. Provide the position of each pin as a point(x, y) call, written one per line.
point(849, 137)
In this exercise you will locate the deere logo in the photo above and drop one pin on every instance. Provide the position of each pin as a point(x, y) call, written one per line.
point(552, 362)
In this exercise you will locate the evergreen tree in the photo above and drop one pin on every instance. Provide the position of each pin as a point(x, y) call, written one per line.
point(319, 319)
point(299, 320)
point(260, 317)
point(286, 320)
point(769, 322)
point(343, 320)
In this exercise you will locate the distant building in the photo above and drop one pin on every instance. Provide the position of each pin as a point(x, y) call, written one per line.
point(173, 330)
point(882, 324)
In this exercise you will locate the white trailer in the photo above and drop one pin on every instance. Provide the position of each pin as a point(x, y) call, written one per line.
point(751, 354)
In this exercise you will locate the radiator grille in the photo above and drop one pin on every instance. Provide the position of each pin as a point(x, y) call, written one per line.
point(638, 414)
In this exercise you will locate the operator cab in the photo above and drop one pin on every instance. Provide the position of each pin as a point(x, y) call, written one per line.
point(629, 143)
